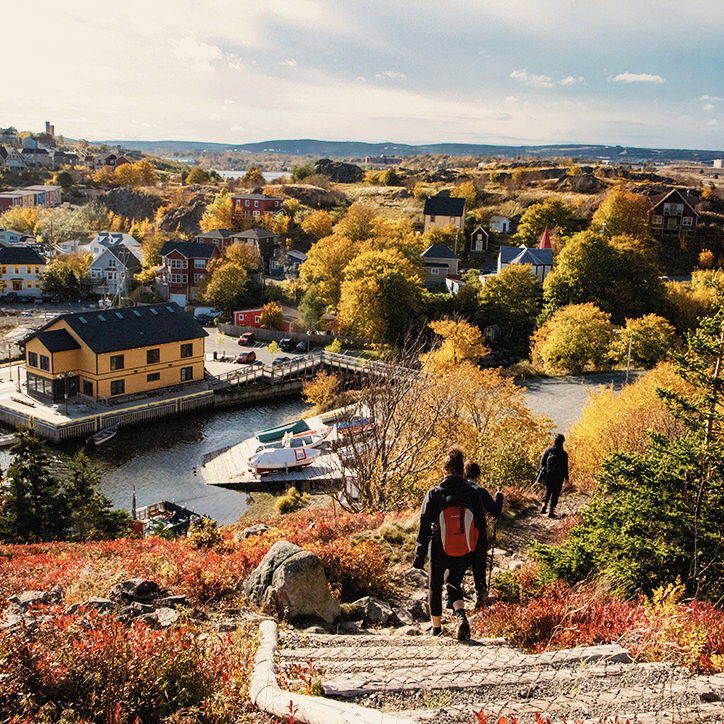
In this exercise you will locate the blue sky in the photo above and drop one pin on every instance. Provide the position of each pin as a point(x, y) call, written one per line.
point(630, 72)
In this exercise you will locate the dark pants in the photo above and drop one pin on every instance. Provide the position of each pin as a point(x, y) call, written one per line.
point(553, 491)
point(448, 571)
point(479, 564)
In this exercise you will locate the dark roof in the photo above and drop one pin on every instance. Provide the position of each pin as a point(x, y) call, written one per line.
point(256, 197)
point(20, 255)
point(438, 251)
point(111, 330)
point(434, 265)
point(125, 256)
point(444, 206)
point(217, 234)
point(255, 234)
point(526, 255)
point(57, 340)
point(189, 249)
point(658, 198)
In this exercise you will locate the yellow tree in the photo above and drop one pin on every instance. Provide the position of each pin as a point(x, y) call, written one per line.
point(318, 224)
point(461, 342)
point(246, 256)
point(272, 316)
point(322, 390)
point(623, 212)
point(226, 287)
point(253, 177)
point(646, 341)
point(218, 214)
point(24, 219)
point(466, 190)
point(325, 265)
point(358, 223)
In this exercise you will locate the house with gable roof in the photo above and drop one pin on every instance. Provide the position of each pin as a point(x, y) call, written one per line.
point(184, 269)
point(112, 270)
point(441, 211)
point(540, 258)
point(439, 262)
point(673, 213)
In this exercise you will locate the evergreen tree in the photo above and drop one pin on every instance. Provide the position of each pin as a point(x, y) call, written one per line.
point(91, 514)
point(33, 505)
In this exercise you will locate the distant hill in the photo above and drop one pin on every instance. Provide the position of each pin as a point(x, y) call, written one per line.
point(358, 149)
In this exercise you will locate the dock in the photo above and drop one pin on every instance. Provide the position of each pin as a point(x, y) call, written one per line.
point(229, 468)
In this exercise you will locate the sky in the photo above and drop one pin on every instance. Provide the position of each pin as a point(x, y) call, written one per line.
point(629, 72)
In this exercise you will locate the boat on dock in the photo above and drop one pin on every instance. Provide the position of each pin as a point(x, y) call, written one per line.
point(103, 436)
point(285, 458)
point(313, 438)
point(7, 440)
point(355, 426)
point(277, 433)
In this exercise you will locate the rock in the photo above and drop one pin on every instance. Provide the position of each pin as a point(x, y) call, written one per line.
point(160, 618)
point(173, 601)
point(350, 627)
point(135, 589)
point(403, 614)
point(26, 599)
point(407, 631)
point(339, 171)
point(131, 203)
point(94, 602)
point(11, 619)
point(292, 580)
point(257, 529)
point(136, 609)
point(416, 577)
point(419, 608)
point(373, 610)
point(315, 630)
point(186, 217)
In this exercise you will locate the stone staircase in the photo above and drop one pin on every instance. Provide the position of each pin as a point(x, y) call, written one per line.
point(443, 680)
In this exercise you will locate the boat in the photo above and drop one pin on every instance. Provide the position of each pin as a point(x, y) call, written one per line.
point(103, 435)
point(277, 433)
point(356, 425)
point(313, 438)
point(7, 440)
point(285, 458)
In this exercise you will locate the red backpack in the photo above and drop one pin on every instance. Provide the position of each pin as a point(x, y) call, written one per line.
point(458, 532)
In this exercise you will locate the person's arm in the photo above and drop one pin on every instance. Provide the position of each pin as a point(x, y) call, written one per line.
point(544, 458)
point(492, 507)
point(425, 532)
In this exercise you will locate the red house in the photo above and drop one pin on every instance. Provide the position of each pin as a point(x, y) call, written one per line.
point(254, 205)
point(252, 318)
point(220, 238)
point(184, 268)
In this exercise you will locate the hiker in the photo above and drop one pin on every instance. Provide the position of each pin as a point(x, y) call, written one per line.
point(480, 554)
point(451, 519)
point(554, 472)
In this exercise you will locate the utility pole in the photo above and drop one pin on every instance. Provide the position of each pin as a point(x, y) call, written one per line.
point(628, 359)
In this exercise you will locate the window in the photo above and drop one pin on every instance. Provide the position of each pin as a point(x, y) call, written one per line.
point(111, 263)
point(178, 263)
point(153, 377)
point(246, 203)
point(118, 387)
point(257, 318)
point(153, 356)
point(198, 277)
point(686, 221)
point(178, 279)
point(187, 373)
point(32, 359)
point(434, 271)
point(117, 362)
point(256, 204)
point(657, 220)
point(187, 350)
point(432, 219)
point(45, 362)
point(88, 388)
point(200, 263)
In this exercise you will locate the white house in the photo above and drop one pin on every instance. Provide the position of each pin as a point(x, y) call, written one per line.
point(112, 270)
point(102, 240)
point(501, 224)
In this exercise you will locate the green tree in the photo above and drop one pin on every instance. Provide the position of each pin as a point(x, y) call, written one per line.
point(512, 299)
point(253, 177)
point(551, 214)
point(610, 273)
point(91, 513)
point(64, 179)
point(61, 277)
point(33, 505)
point(649, 339)
point(197, 175)
point(226, 287)
point(391, 178)
point(311, 309)
point(575, 338)
point(302, 171)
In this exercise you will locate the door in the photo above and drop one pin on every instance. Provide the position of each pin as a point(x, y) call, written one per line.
point(17, 285)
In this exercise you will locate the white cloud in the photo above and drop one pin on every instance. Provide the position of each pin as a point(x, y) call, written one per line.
point(511, 99)
point(537, 81)
point(197, 54)
point(503, 117)
point(712, 122)
point(708, 107)
point(234, 62)
point(571, 80)
point(629, 77)
point(706, 98)
point(289, 63)
point(390, 75)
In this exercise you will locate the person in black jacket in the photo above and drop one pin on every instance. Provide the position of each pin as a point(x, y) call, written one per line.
point(554, 471)
point(444, 569)
point(480, 556)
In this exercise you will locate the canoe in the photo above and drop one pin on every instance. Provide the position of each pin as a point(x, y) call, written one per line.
point(103, 435)
point(313, 438)
point(277, 433)
point(7, 440)
point(285, 458)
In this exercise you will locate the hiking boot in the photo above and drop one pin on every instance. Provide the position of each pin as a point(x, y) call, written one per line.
point(436, 631)
point(463, 633)
point(543, 510)
point(552, 515)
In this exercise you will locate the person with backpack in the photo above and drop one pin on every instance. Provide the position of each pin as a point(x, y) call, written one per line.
point(554, 472)
point(480, 554)
point(451, 519)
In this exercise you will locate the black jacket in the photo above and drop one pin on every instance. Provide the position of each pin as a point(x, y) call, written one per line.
point(544, 461)
point(452, 486)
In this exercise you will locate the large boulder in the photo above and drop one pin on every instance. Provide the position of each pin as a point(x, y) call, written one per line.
point(339, 171)
point(292, 581)
point(135, 589)
point(28, 599)
point(131, 203)
point(373, 610)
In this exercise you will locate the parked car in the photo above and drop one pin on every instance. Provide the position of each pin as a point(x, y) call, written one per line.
point(25, 299)
point(280, 360)
point(10, 297)
point(247, 338)
point(287, 344)
point(204, 320)
point(301, 347)
point(246, 358)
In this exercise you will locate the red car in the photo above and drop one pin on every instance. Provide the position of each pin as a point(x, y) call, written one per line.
point(247, 338)
point(246, 358)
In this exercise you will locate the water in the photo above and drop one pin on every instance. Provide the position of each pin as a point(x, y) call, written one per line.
point(268, 175)
point(164, 458)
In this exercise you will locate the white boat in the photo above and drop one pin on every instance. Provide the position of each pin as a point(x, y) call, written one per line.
point(285, 458)
point(7, 440)
point(102, 436)
point(313, 438)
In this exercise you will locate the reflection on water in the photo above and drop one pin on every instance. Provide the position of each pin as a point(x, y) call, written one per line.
point(164, 458)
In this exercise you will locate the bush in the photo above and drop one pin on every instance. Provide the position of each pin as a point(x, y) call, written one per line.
point(648, 338)
point(289, 502)
point(205, 534)
point(335, 347)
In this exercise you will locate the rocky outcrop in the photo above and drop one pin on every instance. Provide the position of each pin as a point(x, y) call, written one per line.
point(131, 204)
point(257, 529)
point(339, 171)
point(314, 196)
point(291, 582)
point(186, 217)
point(135, 589)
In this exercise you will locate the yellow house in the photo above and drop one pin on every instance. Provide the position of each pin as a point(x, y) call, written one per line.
point(443, 211)
point(115, 353)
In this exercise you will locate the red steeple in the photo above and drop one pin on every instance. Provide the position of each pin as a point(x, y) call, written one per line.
point(545, 240)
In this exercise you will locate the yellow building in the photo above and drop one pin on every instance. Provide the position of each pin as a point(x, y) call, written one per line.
point(444, 211)
point(115, 353)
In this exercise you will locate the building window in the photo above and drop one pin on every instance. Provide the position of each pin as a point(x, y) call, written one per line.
point(87, 388)
point(178, 279)
point(686, 220)
point(200, 263)
point(257, 318)
point(111, 263)
point(153, 356)
point(45, 362)
point(187, 373)
point(118, 387)
point(432, 219)
point(187, 350)
point(434, 271)
point(657, 220)
point(153, 377)
point(32, 359)
point(246, 203)
point(117, 362)
point(178, 263)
